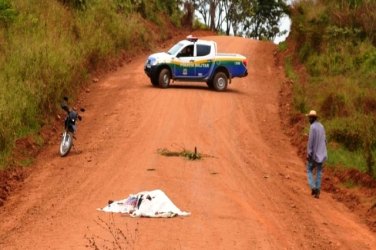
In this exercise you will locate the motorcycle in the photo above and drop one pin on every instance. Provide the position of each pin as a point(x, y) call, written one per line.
point(69, 127)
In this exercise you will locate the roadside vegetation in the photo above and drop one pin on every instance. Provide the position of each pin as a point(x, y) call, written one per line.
point(335, 40)
point(49, 48)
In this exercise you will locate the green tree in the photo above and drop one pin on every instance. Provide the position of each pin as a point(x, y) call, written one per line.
point(213, 8)
point(252, 18)
point(236, 11)
point(263, 22)
point(202, 6)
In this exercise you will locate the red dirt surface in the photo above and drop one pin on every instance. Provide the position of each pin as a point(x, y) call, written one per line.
point(252, 194)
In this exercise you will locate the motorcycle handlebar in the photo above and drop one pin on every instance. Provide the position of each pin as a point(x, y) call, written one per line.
point(65, 107)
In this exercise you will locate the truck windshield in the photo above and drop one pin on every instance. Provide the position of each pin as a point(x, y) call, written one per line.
point(175, 49)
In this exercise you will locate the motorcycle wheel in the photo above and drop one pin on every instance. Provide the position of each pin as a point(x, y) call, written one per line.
point(66, 143)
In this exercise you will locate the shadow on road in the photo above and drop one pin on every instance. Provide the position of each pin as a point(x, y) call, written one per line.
point(197, 87)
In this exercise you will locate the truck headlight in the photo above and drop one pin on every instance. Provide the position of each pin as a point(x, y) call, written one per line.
point(153, 61)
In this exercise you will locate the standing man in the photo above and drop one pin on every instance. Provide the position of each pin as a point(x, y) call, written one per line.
point(316, 152)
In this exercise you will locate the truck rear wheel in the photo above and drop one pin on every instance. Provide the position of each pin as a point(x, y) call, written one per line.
point(164, 78)
point(220, 81)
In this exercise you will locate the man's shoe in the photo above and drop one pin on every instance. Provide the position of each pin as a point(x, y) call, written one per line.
point(317, 193)
point(313, 191)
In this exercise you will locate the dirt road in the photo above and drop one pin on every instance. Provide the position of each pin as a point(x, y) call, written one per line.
point(251, 194)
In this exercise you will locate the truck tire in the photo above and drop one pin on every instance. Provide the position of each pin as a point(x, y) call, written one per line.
point(164, 78)
point(220, 81)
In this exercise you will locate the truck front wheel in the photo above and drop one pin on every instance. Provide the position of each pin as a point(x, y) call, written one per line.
point(220, 81)
point(164, 78)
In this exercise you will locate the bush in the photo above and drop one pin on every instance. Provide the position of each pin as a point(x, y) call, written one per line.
point(340, 156)
point(366, 102)
point(125, 6)
point(78, 4)
point(199, 25)
point(305, 51)
point(334, 105)
point(356, 14)
point(345, 131)
point(7, 13)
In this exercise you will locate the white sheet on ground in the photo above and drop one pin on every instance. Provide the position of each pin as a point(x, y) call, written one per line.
point(146, 204)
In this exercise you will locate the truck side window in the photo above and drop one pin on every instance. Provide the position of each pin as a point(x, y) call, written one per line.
point(186, 52)
point(203, 50)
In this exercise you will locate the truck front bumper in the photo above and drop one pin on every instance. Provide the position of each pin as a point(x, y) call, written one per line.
point(150, 71)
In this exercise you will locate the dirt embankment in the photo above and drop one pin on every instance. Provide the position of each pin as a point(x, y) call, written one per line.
point(361, 199)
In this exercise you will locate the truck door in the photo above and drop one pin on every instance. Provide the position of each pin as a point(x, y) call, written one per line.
point(204, 61)
point(184, 63)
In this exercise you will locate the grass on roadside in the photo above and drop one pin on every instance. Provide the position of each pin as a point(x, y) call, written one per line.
point(340, 156)
point(48, 50)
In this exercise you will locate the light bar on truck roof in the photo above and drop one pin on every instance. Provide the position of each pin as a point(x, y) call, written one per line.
point(192, 38)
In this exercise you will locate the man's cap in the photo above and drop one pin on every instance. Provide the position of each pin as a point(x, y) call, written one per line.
point(312, 113)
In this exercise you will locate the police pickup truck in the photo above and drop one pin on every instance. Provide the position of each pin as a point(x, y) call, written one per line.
point(195, 60)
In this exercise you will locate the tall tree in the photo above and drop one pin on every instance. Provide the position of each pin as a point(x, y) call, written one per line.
point(202, 6)
point(213, 4)
point(264, 21)
point(236, 11)
point(258, 19)
point(188, 9)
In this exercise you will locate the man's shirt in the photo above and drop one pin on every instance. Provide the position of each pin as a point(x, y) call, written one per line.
point(316, 147)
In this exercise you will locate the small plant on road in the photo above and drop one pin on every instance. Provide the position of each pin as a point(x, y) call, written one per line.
point(190, 155)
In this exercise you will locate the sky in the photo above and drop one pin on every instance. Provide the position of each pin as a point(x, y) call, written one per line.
point(284, 24)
